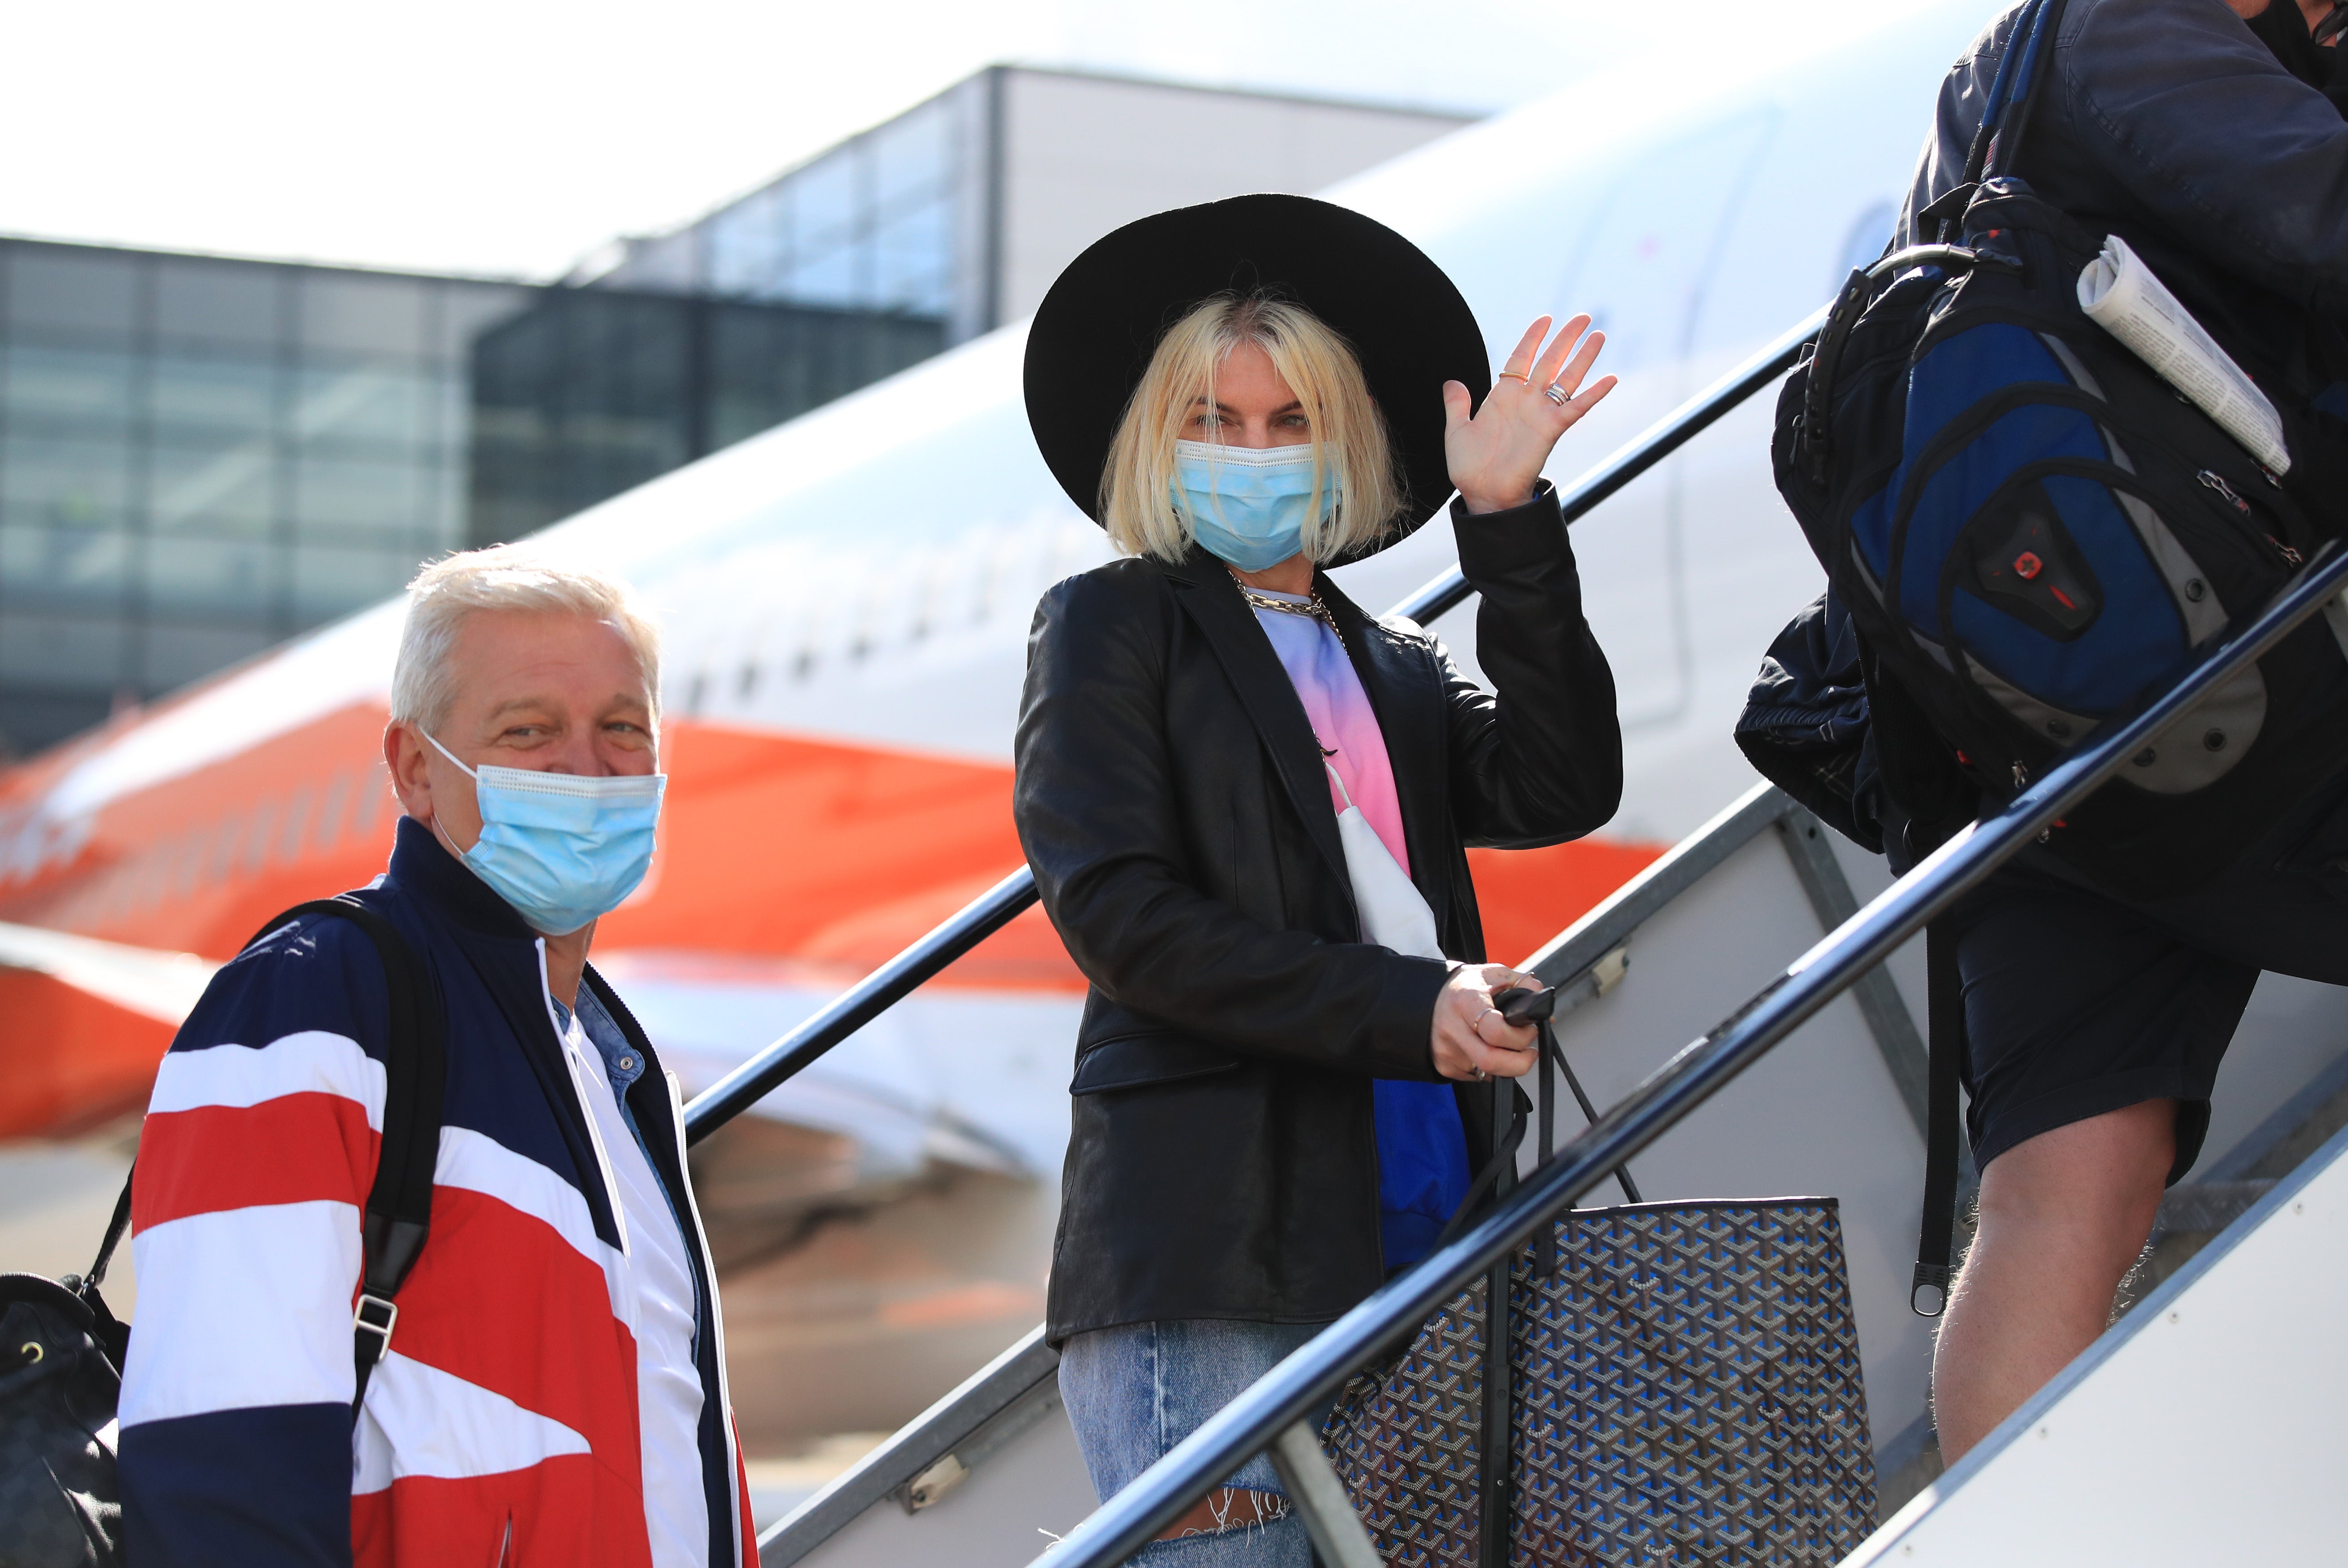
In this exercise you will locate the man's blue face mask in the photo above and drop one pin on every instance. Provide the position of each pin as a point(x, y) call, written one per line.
point(561, 848)
point(1249, 505)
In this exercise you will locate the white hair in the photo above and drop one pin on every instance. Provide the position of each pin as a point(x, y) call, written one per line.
point(504, 577)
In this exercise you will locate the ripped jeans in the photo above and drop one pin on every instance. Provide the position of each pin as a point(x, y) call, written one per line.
point(1135, 1391)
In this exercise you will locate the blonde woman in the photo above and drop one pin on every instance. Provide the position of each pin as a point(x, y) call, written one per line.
point(1247, 803)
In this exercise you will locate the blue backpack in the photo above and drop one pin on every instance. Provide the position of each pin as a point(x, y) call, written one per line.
point(2034, 534)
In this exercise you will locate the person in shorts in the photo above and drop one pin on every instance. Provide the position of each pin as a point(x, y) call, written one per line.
point(2207, 133)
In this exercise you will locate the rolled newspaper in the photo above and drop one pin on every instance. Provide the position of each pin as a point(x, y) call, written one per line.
point(2121, 296)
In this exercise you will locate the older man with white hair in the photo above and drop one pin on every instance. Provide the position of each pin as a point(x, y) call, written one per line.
point(535, 1370)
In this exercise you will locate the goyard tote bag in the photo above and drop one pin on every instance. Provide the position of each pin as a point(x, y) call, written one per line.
point(1682, 1387)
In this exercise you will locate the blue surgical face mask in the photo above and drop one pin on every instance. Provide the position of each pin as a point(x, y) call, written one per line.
point(1249, 505)
point(561, 848)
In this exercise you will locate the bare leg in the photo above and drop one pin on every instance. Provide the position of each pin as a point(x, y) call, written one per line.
point(2063, 1216)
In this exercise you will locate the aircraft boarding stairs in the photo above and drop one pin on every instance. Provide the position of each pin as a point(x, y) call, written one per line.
point(2181, 1436)
point(1838, 1110)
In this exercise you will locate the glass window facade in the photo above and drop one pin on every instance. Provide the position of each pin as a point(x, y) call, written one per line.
point(199, 457)
point(879, 224)
point(594, 390)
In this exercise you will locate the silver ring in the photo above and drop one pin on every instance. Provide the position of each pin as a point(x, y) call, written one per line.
point(1478, 1072)
point(1555, 394)
point(1476, 1029)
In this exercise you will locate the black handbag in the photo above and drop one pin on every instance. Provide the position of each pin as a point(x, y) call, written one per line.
point(1681, 1383)
point(60, 1367)
point(61, 1351)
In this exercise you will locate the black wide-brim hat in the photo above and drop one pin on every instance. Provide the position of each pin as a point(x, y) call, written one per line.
point(1095, 333)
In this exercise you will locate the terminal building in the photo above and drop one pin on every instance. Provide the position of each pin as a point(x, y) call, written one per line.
point(201, 456)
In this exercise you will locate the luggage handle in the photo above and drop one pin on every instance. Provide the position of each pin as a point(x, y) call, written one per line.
point(1521, 1005)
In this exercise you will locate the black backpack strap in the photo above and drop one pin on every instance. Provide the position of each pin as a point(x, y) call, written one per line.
point(399, 1206)
point(112, 1333)
point(2013, 90)
point(2037, 66)
point(115, 1228)
point(1945, 1027)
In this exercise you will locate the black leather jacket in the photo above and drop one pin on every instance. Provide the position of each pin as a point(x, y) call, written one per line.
point(2170, 124)
point(1222, 1161)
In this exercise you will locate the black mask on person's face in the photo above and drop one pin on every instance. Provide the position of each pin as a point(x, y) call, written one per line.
point(2283, 28)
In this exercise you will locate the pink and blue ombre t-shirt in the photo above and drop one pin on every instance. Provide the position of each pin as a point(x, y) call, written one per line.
point(1422, 1151)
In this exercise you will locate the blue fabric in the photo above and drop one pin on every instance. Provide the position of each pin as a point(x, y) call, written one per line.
point(2137, 639)
point(621, 1065)
point(564, 849)
point(1423, 1172)
point(232, 1488)
point(1947, 381)
point(1134, 1391)
point(1249, 505)
point(1967, 478)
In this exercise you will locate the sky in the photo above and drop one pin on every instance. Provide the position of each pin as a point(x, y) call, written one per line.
point(510, 137)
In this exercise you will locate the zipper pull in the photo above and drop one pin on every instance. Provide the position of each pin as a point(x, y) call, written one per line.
point(2225, 490)
point(2291, 557)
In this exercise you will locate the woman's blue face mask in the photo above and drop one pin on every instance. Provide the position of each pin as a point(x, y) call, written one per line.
point(1249, 505)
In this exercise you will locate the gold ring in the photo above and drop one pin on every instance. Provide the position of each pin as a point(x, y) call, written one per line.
point(1519, 375)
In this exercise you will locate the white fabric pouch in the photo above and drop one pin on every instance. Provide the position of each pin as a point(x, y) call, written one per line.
point(1394, 912)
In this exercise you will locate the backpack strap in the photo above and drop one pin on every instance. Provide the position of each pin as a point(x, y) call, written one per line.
point(398, 1212)
point(1945, 1026)
point(2012, 96)
point(115, 1227)
point(111, 1332)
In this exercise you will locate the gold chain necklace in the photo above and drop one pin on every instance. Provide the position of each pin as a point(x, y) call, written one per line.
point(1313, 608)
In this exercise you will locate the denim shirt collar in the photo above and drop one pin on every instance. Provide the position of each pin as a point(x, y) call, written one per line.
point(622, 1064)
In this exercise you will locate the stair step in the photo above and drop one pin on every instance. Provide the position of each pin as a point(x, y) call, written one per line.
point(2208, 1205)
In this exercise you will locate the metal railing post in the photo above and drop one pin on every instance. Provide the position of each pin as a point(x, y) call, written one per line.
point(1316, 1493)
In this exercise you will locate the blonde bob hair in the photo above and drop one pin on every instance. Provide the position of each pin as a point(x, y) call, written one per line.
point(502, 577)
point(1349, 433)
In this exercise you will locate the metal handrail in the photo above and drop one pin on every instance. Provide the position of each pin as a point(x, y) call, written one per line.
point(1006, 900)
point(1308, 1379)
point(861, 1002)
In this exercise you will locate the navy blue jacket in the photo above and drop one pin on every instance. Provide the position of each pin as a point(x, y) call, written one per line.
point(502, 1425)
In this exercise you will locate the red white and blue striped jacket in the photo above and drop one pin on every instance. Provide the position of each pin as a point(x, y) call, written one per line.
point(501, 1426)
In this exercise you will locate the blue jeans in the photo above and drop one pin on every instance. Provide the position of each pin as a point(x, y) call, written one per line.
point(1135, 1391)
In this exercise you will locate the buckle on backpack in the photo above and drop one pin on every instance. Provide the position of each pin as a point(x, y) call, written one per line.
point(387, 1314)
